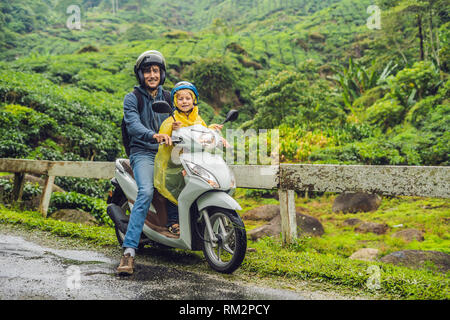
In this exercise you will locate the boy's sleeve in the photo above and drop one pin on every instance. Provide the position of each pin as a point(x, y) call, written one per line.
point(133, 120)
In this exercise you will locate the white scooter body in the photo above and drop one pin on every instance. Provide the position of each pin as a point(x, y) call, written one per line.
point(196, 188)
point(207, 213)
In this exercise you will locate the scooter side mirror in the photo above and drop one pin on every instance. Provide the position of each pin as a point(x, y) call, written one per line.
point(161, 107)
point(232, 115)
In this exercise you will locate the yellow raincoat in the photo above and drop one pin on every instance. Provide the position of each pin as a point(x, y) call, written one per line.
point(169, 180)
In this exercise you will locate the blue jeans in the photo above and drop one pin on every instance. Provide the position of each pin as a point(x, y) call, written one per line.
point(142, 164)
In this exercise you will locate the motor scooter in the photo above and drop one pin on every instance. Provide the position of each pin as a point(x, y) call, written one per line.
point(207, 211)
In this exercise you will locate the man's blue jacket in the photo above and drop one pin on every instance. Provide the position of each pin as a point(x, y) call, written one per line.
point(142, 127)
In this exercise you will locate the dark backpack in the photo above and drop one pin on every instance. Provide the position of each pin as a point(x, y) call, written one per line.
point(125, 136)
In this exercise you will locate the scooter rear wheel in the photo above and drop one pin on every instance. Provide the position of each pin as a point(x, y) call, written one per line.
point(227, 252)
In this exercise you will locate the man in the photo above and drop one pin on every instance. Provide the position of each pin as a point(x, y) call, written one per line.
point(142, 128)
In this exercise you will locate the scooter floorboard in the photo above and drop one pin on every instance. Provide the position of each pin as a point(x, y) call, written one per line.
point(161, 230)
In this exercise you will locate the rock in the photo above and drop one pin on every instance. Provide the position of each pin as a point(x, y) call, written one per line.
point(378, 228)
point(352, 222)
point(409, 235)
point(306, 225)
point(273, 228)
point(366, 254)
point(266, 212)
point(356, 202)
point(418, 258)
point(74, 215)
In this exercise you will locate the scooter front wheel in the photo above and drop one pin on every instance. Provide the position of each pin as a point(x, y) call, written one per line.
point(226, 250)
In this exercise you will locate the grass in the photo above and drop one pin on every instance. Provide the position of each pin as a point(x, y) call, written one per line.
point(98, 235)
point(396, 282)
point(325, 258)
point(427, 215)
point(430, 215)
point(319, 259)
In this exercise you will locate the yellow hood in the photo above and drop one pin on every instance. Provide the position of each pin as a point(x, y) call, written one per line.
point(166, 172)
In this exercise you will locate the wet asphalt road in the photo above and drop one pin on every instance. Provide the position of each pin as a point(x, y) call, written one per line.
point(29, 271)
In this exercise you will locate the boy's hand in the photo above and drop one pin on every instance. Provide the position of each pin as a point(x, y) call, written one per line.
point(176, 125)
point(163, 138)
point(225, 143)
point(217, 127)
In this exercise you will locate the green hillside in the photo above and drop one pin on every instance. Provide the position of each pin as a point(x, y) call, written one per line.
point(42, 26)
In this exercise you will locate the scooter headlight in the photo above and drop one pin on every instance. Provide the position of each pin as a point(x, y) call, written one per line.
point(204, 174)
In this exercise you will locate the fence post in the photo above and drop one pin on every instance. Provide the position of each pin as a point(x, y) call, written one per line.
point(288, 216)
point(19, 181)
point(46, 195)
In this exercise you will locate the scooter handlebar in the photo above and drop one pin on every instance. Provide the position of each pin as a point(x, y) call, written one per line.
point(175, 141)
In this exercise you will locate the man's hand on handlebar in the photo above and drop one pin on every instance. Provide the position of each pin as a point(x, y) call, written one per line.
point(163, 138)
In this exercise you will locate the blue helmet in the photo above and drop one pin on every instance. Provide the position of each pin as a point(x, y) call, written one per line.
point(184, 85)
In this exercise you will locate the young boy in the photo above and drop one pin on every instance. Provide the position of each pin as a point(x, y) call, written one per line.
point(168, 176)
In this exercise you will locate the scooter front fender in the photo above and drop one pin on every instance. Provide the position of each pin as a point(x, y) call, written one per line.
point(217, 199)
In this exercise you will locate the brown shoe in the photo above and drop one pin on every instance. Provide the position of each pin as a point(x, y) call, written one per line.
point(126, 265)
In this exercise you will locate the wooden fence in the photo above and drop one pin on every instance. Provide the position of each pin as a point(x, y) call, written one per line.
point(427, 181)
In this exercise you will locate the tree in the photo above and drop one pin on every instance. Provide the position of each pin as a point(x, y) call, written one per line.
point(427, 14)
point(289, 97)
point(212, 76)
